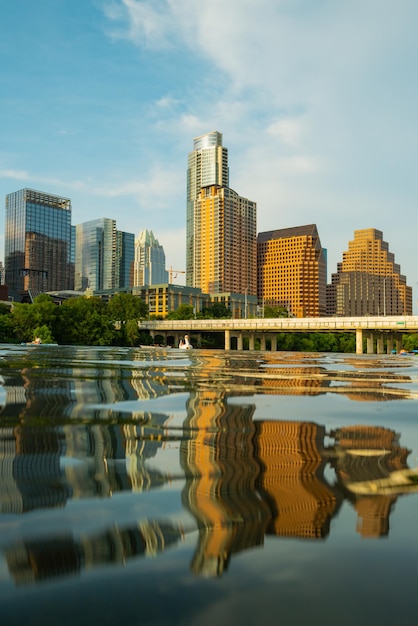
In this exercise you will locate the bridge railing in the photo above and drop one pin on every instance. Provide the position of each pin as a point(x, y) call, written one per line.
point(318, 324)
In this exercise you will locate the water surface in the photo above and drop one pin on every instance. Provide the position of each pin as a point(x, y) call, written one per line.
point(150, 486)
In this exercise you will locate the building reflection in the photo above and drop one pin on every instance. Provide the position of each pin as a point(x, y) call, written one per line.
point(34, 561)
point(241, 478)
point(221, 468)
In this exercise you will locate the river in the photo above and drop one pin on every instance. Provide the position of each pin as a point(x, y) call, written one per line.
point(158, 486)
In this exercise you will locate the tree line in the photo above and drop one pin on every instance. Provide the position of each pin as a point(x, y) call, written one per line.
point(91, 321)
point(87, 321)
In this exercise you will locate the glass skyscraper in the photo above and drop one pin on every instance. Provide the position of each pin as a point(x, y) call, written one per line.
point(95, 260)
point(125, 254)
point(37, 242)
point(103, 256)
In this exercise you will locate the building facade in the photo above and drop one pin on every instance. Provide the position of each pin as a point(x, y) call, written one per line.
point(38, 242)
point(149, 265)
point(368, 281)
point(164, 298)
point(125, 255)
point(221, 254)
point(95, 255)
point(207, 165)
point(292, 270)
point(104, 256)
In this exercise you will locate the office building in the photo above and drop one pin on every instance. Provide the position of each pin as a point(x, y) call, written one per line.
point(207, 165)
point(292, 270)
point(149, 265)
point(37, 242)
point(125, 255)
point(368, 281)
point(104, 256)
point(221, 252)
point(95, 260)
point(164, 298)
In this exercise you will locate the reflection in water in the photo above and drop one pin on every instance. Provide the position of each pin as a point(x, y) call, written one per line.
point(66, 435)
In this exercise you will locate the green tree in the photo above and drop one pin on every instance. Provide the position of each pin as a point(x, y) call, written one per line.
point(217, 310)
point(410, 342)
point(184, 312)
point(7, 329)
point(275, 311)
point(24, 321)
point(126, 310)
point(44, 334)
point(86, 321)
point(27, 317)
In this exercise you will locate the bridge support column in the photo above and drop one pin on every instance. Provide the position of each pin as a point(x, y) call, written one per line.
point(227, 340)
point(398, 342)
point(389, 343)
point(359, 341)
point(240, 342)
point(380, 343)
point(263, 342)
point(274, 343)
point(370, 342)
point(251, 341)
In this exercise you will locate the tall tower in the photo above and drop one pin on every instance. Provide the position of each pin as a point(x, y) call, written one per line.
point(125, 254)
point(292, 270)
point(207, 165)
point(149, 266)
point(221, 251)
point(368, 281)
point(95, 262)
point(38, 242)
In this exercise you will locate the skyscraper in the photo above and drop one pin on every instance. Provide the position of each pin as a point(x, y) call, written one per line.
point(95, 261)
point(368, 281)
point(38, 242)
point(125, 254)
point(221, 254)
point(292, 270)
point(149, 265)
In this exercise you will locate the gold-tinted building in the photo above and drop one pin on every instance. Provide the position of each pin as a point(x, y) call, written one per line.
point(164, 298)
point(368, 281)
point(292, 270)
point(221, 225)
point(225, 242)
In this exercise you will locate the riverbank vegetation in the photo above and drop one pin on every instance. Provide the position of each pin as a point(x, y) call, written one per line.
point(95, 322)
point(77, 321)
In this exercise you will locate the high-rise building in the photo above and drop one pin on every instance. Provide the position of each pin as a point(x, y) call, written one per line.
point(125, 255)
point(368, 281)
point(221, 254)
point(38, 242)
point(95, 250)
point(149, 265)
point(292, 270)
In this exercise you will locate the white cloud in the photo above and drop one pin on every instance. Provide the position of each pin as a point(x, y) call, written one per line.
point(15, 174)
point(289, 131)
point(146, 23)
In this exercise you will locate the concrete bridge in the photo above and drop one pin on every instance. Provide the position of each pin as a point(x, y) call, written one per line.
point(382, 334)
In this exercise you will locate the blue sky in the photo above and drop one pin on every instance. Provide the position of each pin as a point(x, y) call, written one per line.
point(317, 101)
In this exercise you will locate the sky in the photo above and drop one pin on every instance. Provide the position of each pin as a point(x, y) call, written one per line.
point(317, 101)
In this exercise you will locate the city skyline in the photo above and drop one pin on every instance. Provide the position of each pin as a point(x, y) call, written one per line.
point(317, 109)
